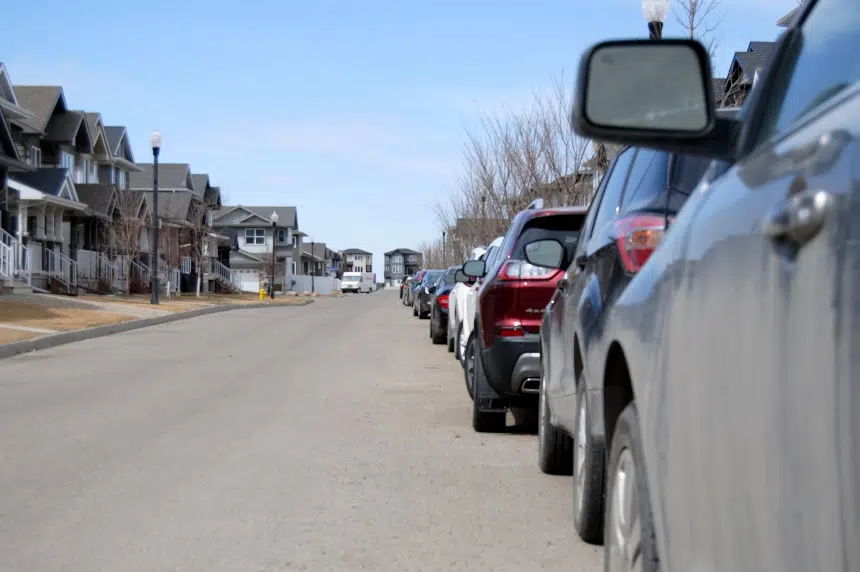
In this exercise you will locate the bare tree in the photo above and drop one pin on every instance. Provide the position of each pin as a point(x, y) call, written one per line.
point(127, 226)
point(509, 159)
point(271, 272)
point(700, 20)
point(198, 239)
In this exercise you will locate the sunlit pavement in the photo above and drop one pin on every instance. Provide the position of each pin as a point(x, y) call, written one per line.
point(328, 437)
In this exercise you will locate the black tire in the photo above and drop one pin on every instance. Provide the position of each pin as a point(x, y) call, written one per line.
point(628, 438)
point(483, 421)
point(555, 447)
point(587, 490)
point(448, 339)
point(414, 309)
point(469, 363)
point(457, 355)
point(437, 336)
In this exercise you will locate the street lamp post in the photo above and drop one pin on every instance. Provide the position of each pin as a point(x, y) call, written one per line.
point(153, 263)
point(443, 249)
point(313, 265)
point(655, 13)
point(274, 219)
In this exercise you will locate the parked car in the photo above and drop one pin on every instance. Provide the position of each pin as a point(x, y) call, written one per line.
point(421, 298)
point(464, 316)
point(441, 292)
point(403, 286)
point(729, 363)
point(503, 350)
point(639, 196)
point(409, 296)
point(456, 295)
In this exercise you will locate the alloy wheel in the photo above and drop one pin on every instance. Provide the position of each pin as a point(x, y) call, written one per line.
point(625, 526)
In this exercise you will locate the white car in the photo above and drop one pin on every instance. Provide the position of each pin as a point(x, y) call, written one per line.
point(456, 300)
point(462, 318)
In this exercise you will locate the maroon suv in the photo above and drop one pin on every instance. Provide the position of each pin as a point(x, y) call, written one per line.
point(505, 345)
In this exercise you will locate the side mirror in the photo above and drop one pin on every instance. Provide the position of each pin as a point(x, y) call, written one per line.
point(460, 277)
point(547, 253)
point(656, 94)
point(475, 268)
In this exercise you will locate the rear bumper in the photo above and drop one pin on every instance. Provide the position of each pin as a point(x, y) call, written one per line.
point(512, 361)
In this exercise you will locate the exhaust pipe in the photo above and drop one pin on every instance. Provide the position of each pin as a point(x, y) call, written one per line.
point(531, 385)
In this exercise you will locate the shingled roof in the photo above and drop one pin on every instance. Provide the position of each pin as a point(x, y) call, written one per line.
point(252, 217)
point(172, 205)
point(40, 101)
point(172, 176)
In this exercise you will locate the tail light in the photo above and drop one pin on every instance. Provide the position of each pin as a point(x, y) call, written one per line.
point(638, 237)
point(443, 301)
point(511, 332)
point(522, 270)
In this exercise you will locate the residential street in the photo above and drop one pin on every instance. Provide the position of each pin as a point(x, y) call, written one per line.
point(333, 436)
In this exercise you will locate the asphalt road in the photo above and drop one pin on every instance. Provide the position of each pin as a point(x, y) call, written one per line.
point(328, 437)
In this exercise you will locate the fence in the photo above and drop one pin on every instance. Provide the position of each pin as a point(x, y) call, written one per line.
point(320, 284)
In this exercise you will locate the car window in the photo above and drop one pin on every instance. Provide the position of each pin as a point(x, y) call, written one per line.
point(688, 171)
point(612, 193)
point(815, 67)
point(592, 211)
point(647, 180)
point(561, 227)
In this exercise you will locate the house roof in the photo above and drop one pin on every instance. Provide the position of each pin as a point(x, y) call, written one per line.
point(48, 180)
point(786, 20)
point(402, 251)
point(212, 197)
point(319, 250)
point(200, 184)
point(40, 100)
point(8, 150)
point(757, 56)
point(114, 135)
point(356, 251)
point(172, 176)
point(99, 198)
point(287, 216)
point(172, 205)
point(66, 127)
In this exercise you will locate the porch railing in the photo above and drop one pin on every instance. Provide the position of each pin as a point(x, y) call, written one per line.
point(7, 260)
point(140, 272)
point(18, 257)
point(62, 268)
point(110, 271)
point(224, 274)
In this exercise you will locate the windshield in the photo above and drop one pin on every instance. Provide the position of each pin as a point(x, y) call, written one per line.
point(352, 278)
point(449, 277)
point(431, 277)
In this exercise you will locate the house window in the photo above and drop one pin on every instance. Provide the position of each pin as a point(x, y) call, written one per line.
point(368, 267)
point(282, 236)
point(35, 156)
point(255, 236)
point(67, 161)
point(81, 170)
point(93, 175)
point(293, 268)
point(296, 241)
point(398, 258)
point(121, 179)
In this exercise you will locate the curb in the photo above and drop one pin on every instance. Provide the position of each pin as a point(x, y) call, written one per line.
point(63, 338)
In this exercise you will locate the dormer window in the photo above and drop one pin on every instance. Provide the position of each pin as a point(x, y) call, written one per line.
point(67, 161)
point(35, 156)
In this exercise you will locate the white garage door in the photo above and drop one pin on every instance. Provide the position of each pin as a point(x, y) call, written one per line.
point(250, 280)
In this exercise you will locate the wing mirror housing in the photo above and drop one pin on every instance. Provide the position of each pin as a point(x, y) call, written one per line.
point(547, 253)
point(475, 268)
point(656, 94)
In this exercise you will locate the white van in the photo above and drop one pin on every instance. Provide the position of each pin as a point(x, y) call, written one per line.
point(354, 282)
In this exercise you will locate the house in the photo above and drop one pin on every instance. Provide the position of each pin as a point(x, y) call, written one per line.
point(357, 260)
point(743, 71)
point(253, 236)
point(400, 263)
point(57, 142)
point(318, 259)
point(601, 158)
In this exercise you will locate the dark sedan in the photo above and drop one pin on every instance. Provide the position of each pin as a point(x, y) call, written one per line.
point(421, 299)
point(439, 305)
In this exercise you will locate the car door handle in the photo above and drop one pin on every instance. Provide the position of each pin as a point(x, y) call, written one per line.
point(799, 217)
point(581, 260)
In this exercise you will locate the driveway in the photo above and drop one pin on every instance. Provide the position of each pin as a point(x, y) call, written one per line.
point(333, 436)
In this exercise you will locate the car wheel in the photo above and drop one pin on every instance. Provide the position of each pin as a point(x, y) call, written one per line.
point(438, 335)
point(460, 350)
point(451, 341)
point(432, 329)
point(588, 467)
point(414, 309)
point(469, 363)
point(555, 447)
point(630, 540)
point(483, 421)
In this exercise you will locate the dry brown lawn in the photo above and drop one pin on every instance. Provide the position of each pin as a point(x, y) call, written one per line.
point(8, 336)
point(60, 319)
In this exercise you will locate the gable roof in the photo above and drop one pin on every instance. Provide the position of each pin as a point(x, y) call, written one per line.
point(403, 251)
point(200, 183)
point(287, 216)
point(40, 101)
point(319, 250)
point(172, 205)
point(99, 198)
point(8, 150)
point(171, 176)
point(356, 251)
point(69, 127)
point(115, 134)
point(54, 181)
point(8, 99)
point(757, 56)
point(212, 197)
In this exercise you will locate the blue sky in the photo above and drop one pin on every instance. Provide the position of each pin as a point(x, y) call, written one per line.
point(352, 111)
